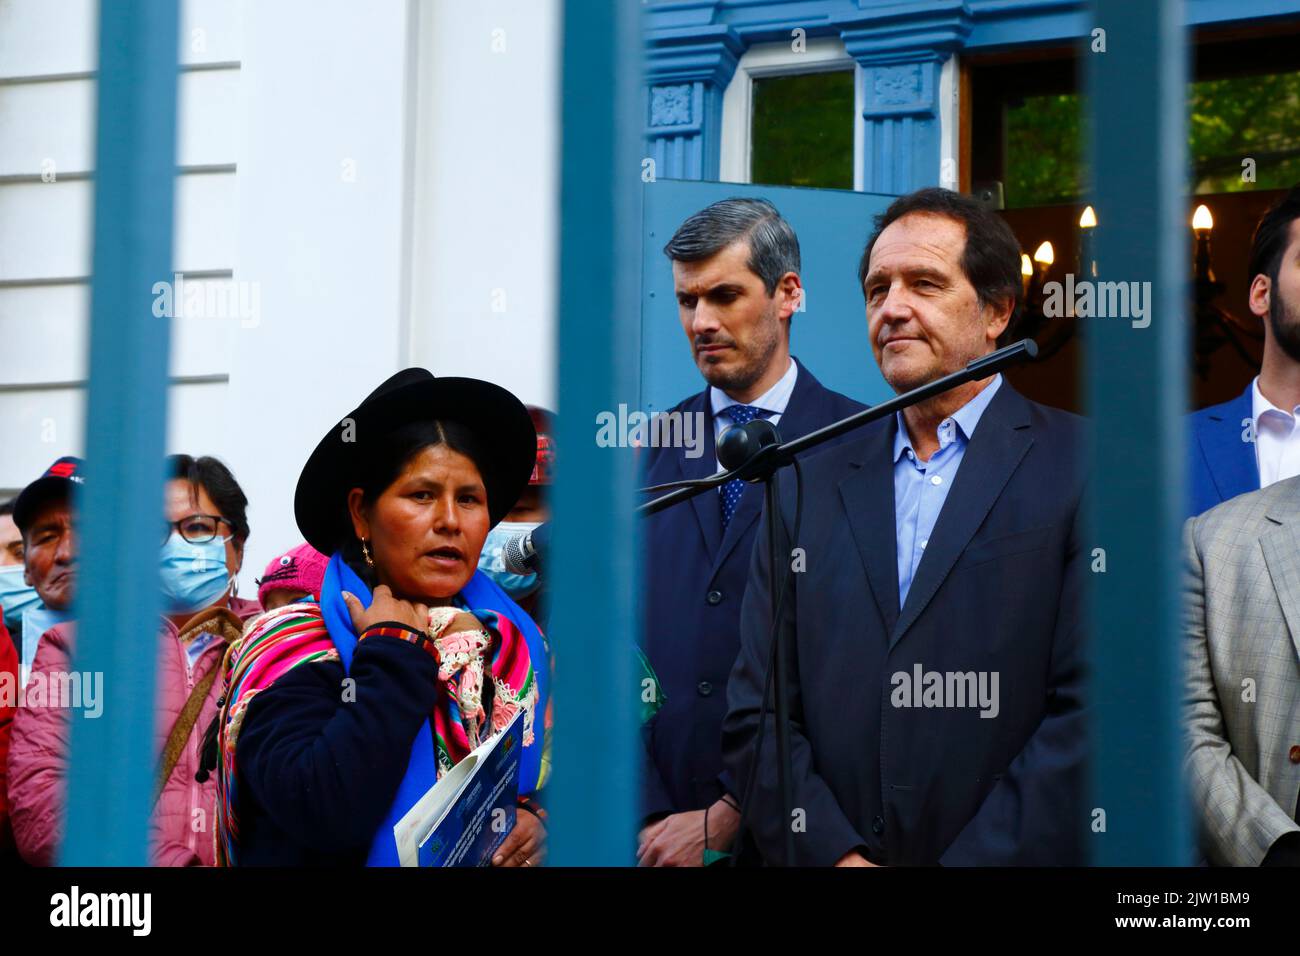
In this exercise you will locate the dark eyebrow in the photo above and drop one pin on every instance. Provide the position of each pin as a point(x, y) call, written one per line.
point(421, 482)
point(912, 272)
point(714, 290)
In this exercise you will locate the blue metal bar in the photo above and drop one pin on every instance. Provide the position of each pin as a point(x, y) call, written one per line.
point(1137, 396)
point(113, 758)
point(592, 795)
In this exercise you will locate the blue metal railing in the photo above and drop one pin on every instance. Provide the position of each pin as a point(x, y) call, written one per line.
point(593, 793)
point(1137, 397)
point(117, 605)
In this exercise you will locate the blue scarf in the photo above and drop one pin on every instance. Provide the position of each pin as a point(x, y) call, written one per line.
point(422, 770)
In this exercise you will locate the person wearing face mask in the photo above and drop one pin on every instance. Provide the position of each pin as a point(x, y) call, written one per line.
point(11, 569)
point(37, 595)
point(8, 707)
point(16, 595)
point(11, 539)
point(529, 511)
point(202, 548)
point(528, 590)
point(36, 598)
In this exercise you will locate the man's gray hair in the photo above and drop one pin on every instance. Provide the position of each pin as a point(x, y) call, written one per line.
point(773, 246)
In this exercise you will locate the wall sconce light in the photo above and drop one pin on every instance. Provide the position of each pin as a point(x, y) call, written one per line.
point(1215, 326)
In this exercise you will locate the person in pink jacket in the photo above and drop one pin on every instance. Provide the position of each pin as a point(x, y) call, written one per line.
point(205, 532)
point(8, 680)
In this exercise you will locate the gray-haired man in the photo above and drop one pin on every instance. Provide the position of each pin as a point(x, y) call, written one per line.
point(736, 274)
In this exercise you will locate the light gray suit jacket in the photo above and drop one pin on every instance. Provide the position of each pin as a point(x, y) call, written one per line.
point(1242, 658)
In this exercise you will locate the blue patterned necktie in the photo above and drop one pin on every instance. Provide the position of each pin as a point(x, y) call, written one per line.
point(730, 492)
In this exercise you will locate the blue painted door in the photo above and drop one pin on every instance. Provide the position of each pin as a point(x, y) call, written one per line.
point(829, 336)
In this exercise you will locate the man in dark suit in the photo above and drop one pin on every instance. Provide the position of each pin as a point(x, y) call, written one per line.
point(736, 273)
point(1253, 440)
point(932, 639)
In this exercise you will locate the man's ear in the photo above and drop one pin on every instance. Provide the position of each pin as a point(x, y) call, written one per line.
point(1261, 288)
point(998, 317)
point(791, 291)
point(356, 512)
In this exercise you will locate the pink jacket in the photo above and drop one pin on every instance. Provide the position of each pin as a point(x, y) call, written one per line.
point(8, 681)
point(184, 816)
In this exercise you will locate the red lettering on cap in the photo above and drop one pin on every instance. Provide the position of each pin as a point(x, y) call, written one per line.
point(544, 464)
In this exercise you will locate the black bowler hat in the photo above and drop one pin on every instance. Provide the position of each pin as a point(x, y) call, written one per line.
point(57, 482)
point(413, 395)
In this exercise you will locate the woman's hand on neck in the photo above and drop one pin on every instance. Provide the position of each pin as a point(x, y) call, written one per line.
point(385, 606)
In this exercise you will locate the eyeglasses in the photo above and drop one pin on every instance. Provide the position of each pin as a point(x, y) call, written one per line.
point(196, 529)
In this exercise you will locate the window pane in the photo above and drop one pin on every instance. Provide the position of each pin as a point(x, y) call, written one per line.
point(802, 130)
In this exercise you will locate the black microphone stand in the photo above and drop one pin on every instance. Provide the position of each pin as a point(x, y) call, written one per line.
point(756, 455)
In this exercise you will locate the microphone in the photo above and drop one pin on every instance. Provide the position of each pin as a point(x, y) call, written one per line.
point(523, 554)
point(739, 444)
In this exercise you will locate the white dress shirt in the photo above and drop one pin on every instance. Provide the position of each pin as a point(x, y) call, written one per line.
point(1277, 439)
point(773, 402)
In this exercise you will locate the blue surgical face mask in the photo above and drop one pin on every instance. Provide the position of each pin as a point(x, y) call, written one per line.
point(492, 562)
point(36, 621)
point(16, 596)
point(193, 575)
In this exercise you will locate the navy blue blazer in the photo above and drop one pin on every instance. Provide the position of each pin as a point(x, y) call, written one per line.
point(997, 592)
point(694, 582)
point(1221, 461)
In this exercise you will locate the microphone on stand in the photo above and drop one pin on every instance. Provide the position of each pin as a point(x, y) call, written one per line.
point(525, 552)
point(740, 444)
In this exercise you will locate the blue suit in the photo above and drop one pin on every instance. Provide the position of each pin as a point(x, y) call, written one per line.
point(878, 766)
point(1221, 463)
point(695, 580)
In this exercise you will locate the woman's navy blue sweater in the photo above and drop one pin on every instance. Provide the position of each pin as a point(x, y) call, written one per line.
point(321, 753)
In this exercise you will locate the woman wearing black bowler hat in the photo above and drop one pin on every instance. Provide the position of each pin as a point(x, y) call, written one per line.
point(338, 716)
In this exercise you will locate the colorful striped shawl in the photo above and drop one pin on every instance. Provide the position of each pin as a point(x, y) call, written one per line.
point(272, 644)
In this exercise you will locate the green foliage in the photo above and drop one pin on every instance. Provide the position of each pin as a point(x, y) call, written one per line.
point(1229, 121)
point(1043, 149)
point(1245, 117)
point(802, 130)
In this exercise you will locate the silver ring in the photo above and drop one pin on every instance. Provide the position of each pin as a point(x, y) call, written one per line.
point(527, 862)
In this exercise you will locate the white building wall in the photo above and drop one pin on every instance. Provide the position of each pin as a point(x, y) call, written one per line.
point(47, 149)
point(320, 236)
point(486, 191)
